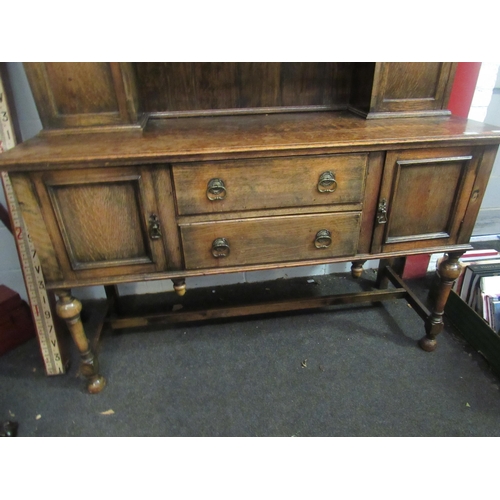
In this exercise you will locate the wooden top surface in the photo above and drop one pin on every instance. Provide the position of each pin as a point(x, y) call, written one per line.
point(182, 139)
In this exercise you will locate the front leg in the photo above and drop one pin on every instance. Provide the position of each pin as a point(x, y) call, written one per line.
point(68, 308)
point(448, 271)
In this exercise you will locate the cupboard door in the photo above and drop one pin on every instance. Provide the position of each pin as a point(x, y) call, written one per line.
point(103, 221)
point(423, 198)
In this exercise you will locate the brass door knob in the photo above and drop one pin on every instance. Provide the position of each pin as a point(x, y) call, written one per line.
point(220, 248)
point(327, 182)
point(216, 189)
point(323, 239)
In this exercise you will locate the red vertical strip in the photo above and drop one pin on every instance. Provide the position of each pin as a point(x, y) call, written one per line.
point(463, 88)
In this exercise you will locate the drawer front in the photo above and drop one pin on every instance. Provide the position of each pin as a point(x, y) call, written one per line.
point(269, 183)
point(272, 239)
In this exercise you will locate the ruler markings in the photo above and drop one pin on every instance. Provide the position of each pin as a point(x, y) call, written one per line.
point(30, 263)
point(33, 276)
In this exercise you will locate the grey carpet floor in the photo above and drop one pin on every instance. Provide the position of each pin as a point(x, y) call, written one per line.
point(345, 371)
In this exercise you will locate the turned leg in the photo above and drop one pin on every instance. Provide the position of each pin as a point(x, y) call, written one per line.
point(179, 287)
point(113, 298)
point(448, 271)
point(397, 264)
point(357, 268)
point(68, 308)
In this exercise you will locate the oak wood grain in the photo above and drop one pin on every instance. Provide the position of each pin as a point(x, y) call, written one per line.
point(415, 86)
point(34, 220)
point(273, 239)
point(98, 221)
point(83, 94)
point(427, 192)
point(186, 139)
point(164, 191)
point(370, 200)
point(269, 183)
point(176, 87)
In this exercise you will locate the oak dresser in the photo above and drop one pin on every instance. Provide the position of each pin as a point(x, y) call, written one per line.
point(148, 171)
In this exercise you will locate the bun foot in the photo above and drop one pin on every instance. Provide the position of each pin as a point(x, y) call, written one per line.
point(428, 344)
point(357, 268)
point(179, 287)
point(97, 385)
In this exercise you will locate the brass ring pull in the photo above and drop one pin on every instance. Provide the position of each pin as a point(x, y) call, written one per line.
point(220, 248)
point(323, 239)
point(216, 189)
point(327, 182)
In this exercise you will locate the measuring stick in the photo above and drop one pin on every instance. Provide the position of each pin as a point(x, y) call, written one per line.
point(7, 131)
point(35, 285)
point(30, 264)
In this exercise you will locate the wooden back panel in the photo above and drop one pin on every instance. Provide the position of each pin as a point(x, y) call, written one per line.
point(185, 87)
point(100, 95)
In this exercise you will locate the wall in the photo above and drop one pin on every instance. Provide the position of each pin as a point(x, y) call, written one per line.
point(486, 107)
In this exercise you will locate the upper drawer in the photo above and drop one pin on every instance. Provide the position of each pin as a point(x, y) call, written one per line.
point(225, 186)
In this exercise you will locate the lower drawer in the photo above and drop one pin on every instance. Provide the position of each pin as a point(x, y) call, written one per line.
point(269, 240)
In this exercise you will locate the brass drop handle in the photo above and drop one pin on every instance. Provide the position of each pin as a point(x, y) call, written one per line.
point(154, 227)
point(327, 182)
point(382, 212)
point(323, 239)
point(216, 189)
point(220, 248)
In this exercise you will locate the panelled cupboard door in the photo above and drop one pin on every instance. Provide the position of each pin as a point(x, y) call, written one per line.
point(423, 198)
point(413, 86)
point(103, 222)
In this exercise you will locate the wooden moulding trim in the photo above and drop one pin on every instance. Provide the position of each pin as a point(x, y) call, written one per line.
point(399, 114)
point(416, 237)
point(143, 118)
point(234, 153)
point(186, 220)
point(153, 115)
point(92, 129)
point(181, 274)
point(120, 93)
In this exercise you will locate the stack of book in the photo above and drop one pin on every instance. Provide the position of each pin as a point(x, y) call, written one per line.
point(479, 285)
